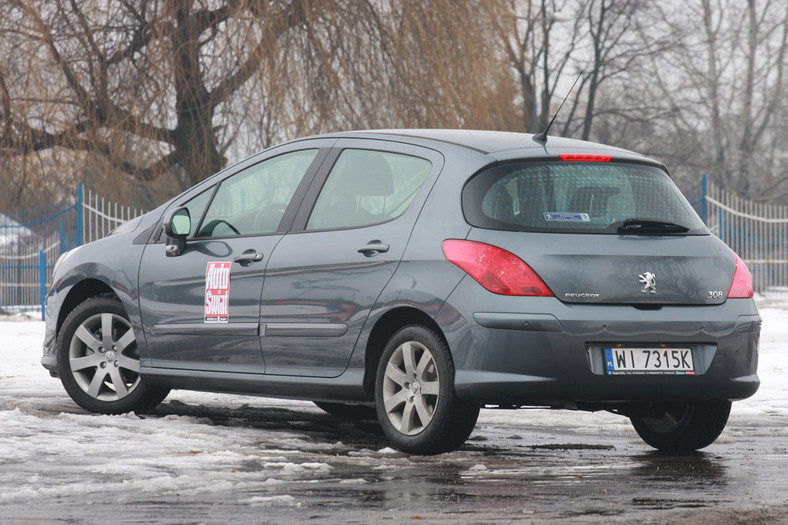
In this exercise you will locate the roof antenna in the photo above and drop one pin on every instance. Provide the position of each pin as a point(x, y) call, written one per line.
point(542, 137)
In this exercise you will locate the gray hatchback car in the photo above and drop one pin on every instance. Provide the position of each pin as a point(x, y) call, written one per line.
point(421, 274)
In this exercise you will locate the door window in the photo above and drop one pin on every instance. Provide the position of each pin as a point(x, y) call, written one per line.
point(368, 187)
point(253, 201)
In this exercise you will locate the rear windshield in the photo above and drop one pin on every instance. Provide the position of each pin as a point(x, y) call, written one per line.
point(592, 197)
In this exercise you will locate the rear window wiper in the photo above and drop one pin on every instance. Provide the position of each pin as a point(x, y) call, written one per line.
point(648, 226)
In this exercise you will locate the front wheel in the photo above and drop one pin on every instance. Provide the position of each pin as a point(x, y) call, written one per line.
point(414, 394)
point(684, 426)
point(98, 360)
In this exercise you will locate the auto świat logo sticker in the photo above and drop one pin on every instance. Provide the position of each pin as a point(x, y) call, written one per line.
point(217, 292)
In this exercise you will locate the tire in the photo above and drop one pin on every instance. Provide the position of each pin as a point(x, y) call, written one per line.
point(345, 411)
point(414, 394)
point(100, 370)
point(684, 426)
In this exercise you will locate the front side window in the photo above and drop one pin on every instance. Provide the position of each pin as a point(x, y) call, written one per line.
point(578, 197)
point(253, 201)
point(368, 187)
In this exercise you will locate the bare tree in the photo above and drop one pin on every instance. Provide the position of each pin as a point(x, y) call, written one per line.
point(162, 93)
point(150, 96)
point(525, 34)
point(548, 42)
point(720, 93)
point(608, 50)
point(139, 84)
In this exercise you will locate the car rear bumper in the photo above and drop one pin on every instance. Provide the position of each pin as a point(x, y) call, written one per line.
point(497, 388)
point(504, 354)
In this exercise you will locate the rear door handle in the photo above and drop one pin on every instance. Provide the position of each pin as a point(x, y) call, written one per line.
point(248, 257)
point(373, 248)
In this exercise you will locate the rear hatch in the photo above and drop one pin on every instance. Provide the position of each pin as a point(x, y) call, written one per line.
point(600, 232)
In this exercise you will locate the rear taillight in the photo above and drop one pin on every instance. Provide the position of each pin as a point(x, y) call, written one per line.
point(741, 286)
point(494, 268)
point(585, 157)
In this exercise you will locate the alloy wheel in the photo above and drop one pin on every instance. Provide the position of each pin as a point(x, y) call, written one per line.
point(411, 388)
point(103, 357)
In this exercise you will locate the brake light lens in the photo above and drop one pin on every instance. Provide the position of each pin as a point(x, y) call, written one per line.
point(585, 157)
point(741, 286)
point(496, 269)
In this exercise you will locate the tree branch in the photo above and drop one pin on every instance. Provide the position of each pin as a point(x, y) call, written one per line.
point(280, 23)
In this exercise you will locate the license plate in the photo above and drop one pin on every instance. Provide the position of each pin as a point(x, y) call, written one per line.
point(649, 361)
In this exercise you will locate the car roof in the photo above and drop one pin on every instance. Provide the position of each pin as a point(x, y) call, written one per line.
point(488, 142)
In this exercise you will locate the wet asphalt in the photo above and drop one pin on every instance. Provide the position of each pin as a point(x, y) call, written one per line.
point(510, 471)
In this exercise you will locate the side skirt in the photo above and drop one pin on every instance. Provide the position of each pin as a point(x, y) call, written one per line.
point(346, 387)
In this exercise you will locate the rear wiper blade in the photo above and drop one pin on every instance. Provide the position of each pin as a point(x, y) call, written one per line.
point(635, 226)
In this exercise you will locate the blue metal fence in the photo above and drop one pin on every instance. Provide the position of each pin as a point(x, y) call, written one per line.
point(31, 243)
point(756, 231)
point(697, 197)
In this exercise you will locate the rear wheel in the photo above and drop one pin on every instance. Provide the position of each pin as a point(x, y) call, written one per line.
point(684, 426)
point(414, 393)
point(98, 360)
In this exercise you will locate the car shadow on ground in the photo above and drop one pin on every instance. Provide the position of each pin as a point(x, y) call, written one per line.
point(314, 424)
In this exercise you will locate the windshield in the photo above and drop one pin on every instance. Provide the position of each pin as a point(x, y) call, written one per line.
point(569, 197)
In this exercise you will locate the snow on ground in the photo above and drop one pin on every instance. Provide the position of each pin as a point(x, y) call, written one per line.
point(49, 447)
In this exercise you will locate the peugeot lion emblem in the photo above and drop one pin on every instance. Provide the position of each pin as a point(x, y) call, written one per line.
point(649, 281)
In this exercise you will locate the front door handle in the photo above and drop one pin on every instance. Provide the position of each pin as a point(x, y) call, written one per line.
point(373, 248)
point(248, 257)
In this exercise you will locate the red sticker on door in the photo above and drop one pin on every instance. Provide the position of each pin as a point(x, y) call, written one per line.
point(217, 292)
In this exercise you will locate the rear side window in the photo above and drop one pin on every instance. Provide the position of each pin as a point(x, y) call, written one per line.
point(368, 187)
point(590, 197)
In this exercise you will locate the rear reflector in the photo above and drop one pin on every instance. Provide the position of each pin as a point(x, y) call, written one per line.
point(495, 269)
point(583, 157)
point(741, 286)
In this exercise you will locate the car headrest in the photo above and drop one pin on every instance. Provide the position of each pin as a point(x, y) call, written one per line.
point(592, 199)
point(366, 173)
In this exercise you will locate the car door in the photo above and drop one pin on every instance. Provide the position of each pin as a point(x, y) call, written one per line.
point(348, 238)
point(200, 309)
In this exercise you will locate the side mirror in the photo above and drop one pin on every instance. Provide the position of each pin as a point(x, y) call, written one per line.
point(177, 225)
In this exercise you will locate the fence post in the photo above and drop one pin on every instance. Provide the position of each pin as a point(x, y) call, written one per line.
point(42, 269)
point(703, 198)
point(79, 214)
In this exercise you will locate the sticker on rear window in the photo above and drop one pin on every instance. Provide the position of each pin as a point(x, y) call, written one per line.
point(217, 292)
point(566, 216)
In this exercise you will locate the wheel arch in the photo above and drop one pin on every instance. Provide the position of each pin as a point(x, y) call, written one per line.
point(384, 328)
point(81, 292)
